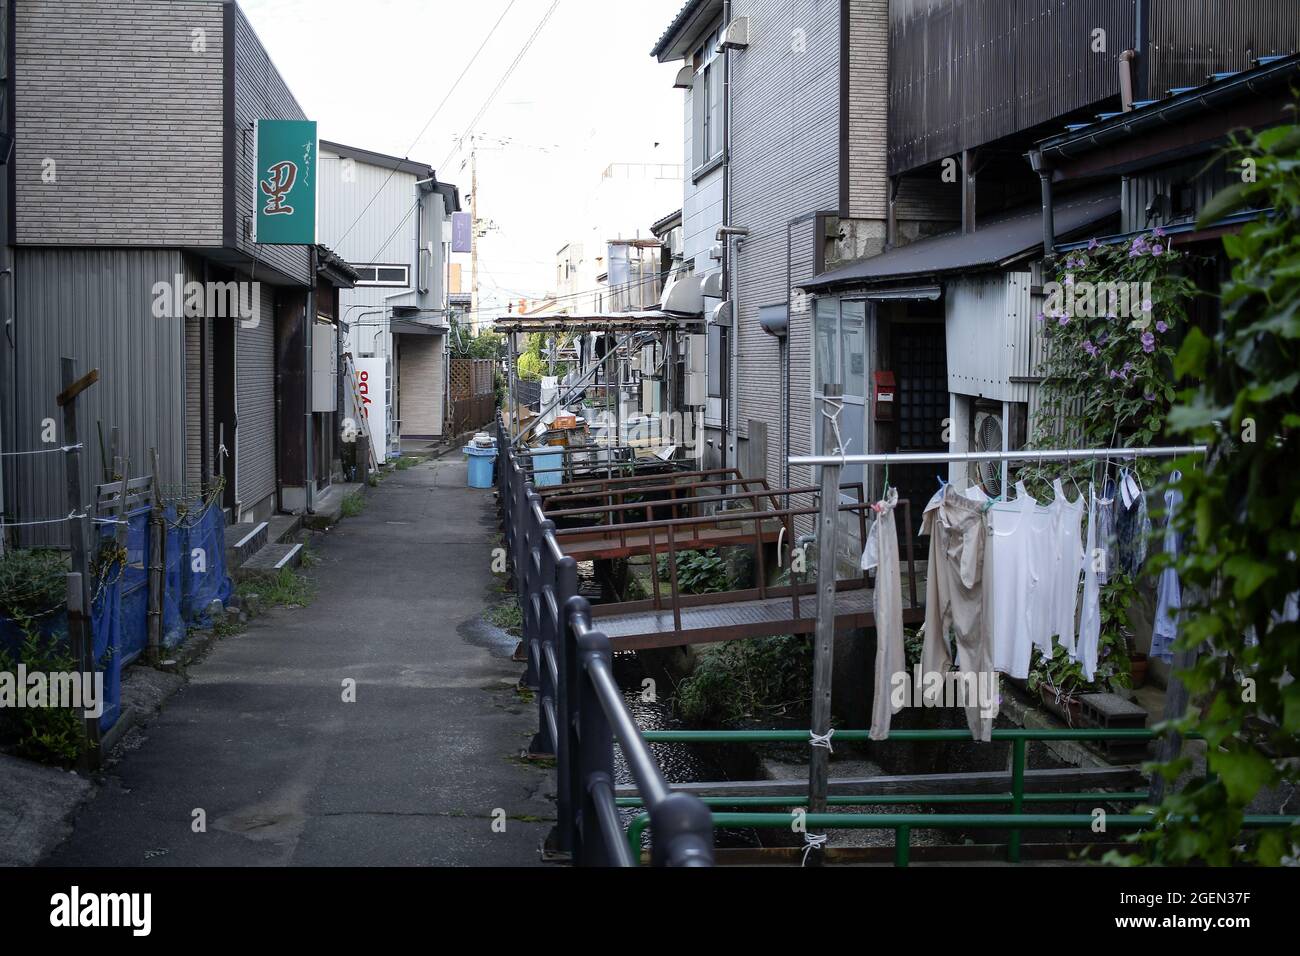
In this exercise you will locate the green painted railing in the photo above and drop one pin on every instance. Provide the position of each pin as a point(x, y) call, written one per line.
point(903, 823)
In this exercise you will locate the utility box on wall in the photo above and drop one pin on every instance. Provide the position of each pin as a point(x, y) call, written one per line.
point(324, 367)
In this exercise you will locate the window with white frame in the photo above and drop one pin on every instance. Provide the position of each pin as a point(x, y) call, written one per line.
point(383, 274)
point(706, 104)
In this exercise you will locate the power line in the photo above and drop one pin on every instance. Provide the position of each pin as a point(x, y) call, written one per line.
point(429, 122)
point(504, 78)
point(392, 235)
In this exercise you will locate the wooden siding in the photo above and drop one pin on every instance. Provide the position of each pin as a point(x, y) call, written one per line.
point(968, 72)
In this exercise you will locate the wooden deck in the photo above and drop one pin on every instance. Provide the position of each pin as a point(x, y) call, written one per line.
point(731, 620)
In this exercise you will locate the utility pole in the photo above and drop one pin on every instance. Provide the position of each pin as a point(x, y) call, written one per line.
point(473, 234)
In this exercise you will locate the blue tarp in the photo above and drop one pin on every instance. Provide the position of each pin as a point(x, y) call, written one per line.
point(194, 576)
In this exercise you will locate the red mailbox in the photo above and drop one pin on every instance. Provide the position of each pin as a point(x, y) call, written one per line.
point(883, 395)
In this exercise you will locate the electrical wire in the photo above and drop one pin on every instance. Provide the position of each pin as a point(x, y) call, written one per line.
point(472, 60)
point(502, 82)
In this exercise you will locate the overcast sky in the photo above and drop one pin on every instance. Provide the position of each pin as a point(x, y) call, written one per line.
point(586, 94)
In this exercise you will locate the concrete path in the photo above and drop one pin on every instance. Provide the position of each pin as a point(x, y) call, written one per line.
point(288, 773)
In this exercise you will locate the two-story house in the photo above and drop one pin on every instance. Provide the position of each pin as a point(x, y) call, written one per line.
point(133, 182)
point(387, 216)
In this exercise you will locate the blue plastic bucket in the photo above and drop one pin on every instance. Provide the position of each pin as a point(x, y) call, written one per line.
point(481, 461)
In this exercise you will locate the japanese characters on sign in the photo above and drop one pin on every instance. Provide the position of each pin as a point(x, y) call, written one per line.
point(285, 189)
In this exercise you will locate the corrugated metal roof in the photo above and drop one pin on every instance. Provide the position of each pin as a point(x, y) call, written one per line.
point(1000, 239)
point(1280, 66)
point(683, 15)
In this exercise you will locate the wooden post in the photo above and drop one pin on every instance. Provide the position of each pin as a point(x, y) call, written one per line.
point(122, 468)
point(80, 631)
point(157, 562)
point(824, 636)
point(80, 634)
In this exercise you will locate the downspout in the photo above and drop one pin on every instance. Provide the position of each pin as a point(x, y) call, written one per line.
point(205, 451)
point(1049, 220)
point(309, 328)
point(730, 451)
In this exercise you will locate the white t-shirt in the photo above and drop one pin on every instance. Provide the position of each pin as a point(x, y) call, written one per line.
point(1067, 564)
point(1017, 576)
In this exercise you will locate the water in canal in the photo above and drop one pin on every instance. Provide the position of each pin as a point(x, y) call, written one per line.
point(680, 763)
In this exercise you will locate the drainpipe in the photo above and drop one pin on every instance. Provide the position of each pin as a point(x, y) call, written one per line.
point(205, 452)
point(1049, 221)
point(1126, 80)
point(730, 450)
point(309, 327)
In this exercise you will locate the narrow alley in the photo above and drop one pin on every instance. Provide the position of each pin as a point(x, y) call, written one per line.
point(287, 773)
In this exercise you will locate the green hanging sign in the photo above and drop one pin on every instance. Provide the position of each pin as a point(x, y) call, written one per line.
point(285, 188)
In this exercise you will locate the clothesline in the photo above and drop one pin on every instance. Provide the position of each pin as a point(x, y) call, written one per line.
point(1023, 454)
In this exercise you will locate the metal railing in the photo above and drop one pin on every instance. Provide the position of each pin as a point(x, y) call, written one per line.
point(904, 823)
point(581, 713)
point(580, 706)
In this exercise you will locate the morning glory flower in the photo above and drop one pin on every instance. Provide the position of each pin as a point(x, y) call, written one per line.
point(1148, 342)
point(1161, 327)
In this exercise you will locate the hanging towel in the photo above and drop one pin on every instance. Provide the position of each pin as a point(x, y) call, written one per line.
point(1085, 651)
point(1169, 592)
point(881, 553)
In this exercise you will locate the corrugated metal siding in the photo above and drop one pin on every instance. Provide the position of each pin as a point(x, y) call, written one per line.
point(194, 397)
point(260, 93)
point(1140, 190)
point(967, 72)
point(804, 240)
point(96, 306)
point(118, 98)
point(785, 163)
point(1191, 39)
point(386, 232)
point(990, 335)
point(255, 406)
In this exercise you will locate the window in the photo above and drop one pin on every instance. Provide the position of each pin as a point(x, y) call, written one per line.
point(706, 105)
point(386, 275)
point(840, 358)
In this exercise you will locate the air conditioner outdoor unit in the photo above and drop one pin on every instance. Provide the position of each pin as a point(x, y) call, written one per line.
point(986, 435)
